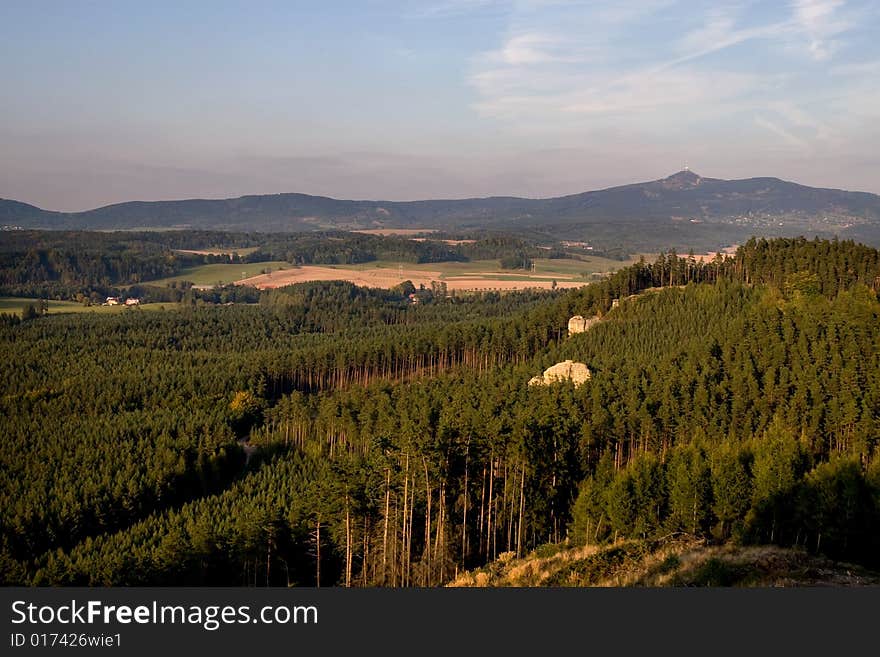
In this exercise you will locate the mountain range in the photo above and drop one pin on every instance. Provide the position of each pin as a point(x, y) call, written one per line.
point(681, 209)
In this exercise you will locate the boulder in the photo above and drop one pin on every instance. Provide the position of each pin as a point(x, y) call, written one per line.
point(567, 370)
point(579, 324)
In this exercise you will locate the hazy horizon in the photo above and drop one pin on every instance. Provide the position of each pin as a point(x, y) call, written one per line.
point(108, 102)
point(377, 199)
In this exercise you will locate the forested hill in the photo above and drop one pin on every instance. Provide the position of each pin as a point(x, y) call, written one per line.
point(398, 444)
point(698, 212)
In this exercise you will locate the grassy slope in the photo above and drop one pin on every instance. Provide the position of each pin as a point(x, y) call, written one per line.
point(679, 561)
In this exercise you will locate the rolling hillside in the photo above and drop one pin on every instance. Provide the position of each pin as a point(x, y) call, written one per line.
point(682, 209)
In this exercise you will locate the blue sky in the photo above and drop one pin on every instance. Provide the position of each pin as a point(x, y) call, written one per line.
point(111, 101)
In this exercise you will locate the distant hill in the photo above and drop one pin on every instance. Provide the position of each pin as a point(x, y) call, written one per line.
point(683, 208)
point(15, 213)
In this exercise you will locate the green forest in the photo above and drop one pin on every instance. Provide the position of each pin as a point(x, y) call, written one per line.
point(330, 435)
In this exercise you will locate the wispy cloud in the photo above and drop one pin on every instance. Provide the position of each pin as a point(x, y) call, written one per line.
point(657, 91)
point(780, 132)
point(860, 68)
point(572, 63)
point(537, 48)
point(818, 24)
point(721, 29)
point(800, 118)
point(821, 22)
point(451, 8)
point(573, 66)
point(626, 11)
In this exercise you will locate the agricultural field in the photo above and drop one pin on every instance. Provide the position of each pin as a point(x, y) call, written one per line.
point(403, 232)
point(462, 276)
point(16, 305)
point(583, 265)
point(206, 275)
point(243, 251)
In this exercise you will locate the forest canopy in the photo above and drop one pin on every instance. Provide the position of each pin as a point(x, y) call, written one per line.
point(330, 434)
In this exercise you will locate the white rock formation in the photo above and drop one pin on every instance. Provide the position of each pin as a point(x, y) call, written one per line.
point(579, 324)
point(567, 370)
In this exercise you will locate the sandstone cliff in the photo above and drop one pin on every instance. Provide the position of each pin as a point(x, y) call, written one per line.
point(567, 370)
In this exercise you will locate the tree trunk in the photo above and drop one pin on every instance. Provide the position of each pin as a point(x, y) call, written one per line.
point(464, 514)
point(489, 533)
point(318, 554)
point(409, 533)
point(427, 523)
point(347, 544)
point(385, 531)
point(482, 512)
point(441, 531)
point(522, 506)
point(404, 558)
point(366, 549)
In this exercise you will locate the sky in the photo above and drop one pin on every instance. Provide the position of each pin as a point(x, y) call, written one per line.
point(102, 102)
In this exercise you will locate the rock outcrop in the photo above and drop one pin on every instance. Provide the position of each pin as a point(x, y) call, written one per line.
point(567, 370)
point(579, 324)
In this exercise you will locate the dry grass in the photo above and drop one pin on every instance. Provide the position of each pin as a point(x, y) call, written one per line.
point(531, 570)
point(671, 562)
